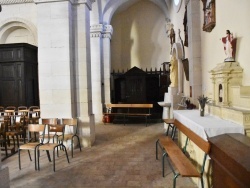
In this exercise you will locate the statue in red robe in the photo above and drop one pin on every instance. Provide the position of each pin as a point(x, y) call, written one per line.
point(229, 46)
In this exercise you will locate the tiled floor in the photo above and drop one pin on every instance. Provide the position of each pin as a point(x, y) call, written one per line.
point(122, 156)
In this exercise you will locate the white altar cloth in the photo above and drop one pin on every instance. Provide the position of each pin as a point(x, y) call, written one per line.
point(207, 126)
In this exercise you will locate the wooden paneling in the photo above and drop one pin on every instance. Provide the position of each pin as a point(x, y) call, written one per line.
point(18, 75)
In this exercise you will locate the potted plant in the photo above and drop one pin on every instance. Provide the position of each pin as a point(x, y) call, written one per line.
point(202, 100)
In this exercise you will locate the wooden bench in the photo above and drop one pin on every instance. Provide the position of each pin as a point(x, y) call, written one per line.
point(127, 108)
point(178, 161)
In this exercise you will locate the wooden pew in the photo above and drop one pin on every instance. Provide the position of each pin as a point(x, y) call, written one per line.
point(127, 110)
point(178, 161)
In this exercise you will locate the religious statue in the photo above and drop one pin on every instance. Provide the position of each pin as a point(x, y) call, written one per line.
point(229, 46)
point(173, 72)
point(171, 34)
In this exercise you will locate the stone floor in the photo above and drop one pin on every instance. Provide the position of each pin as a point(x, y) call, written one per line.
point(122, 156)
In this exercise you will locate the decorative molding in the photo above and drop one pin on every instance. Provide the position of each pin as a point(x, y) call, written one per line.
point(99, 30)
point(50, 1)
point(106, 36)
point(96, 35)
point(74, 2)
point(96, 31)
point(87, 2)
point(96, 28)
point(8, 2)
point(107, 31)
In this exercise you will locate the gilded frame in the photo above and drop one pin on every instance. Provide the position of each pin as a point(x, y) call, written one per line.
point(209, 15)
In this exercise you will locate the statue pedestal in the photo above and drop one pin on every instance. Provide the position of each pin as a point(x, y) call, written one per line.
point(224, 76)
point(173, 98)
point(231, 99)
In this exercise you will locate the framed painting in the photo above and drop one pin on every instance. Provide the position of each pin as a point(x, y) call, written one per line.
point(209, 15)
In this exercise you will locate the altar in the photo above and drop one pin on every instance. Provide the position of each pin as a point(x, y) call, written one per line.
point(206, 127)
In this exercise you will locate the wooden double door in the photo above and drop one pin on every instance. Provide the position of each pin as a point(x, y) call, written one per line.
point(18, 75)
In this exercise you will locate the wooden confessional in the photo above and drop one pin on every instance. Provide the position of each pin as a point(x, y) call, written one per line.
point(138, 86)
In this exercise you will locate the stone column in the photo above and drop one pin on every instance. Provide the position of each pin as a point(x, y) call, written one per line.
point(83, 72)
point(54, 57)
point(194, 48)
point(107, 32)
point(64, 62)
point(96, 69)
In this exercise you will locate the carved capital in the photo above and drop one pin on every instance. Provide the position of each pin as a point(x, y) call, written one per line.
point(99, 30)
point(96, 35)
point(107, 31)
point(96, 30)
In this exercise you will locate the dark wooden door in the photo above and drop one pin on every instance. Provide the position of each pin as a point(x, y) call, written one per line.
point(135, 89)
point(18, 75)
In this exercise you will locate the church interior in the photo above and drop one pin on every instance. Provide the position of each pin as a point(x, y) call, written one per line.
point(129, 72)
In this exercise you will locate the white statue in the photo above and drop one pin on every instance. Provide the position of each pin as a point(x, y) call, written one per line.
point(173, 72)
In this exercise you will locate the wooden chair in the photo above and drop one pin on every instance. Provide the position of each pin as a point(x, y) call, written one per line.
point(1, 110)
point(16, 129)
point(35, 131)
point(22, 108)
point(10, 108)
point(33, 114)
point(72, 126)
point(54, 131)
point(48, 121)
point(3, 141)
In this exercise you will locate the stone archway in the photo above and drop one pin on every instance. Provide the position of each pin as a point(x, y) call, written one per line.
point(10, 25)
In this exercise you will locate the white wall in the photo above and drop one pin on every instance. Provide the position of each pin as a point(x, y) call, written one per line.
point(139, 37)
point(232, 15)
point(18, 23)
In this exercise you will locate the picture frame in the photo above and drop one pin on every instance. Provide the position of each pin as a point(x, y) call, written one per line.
point(209, 15)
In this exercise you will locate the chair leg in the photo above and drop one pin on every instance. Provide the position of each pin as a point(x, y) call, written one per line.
point(156, 149)
point(19, 159)
point(202, 183)
point(66, 153)
point(173, 132)
point(17, 140)
point(5, 146)
point(72, 140)
point(79, 143)
point(29, 155)
point(35, 158)
point(54, 165)
point(48, 155)
point(174, 180)
point(163, 161)
point(38, 160)
point(167, 131)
